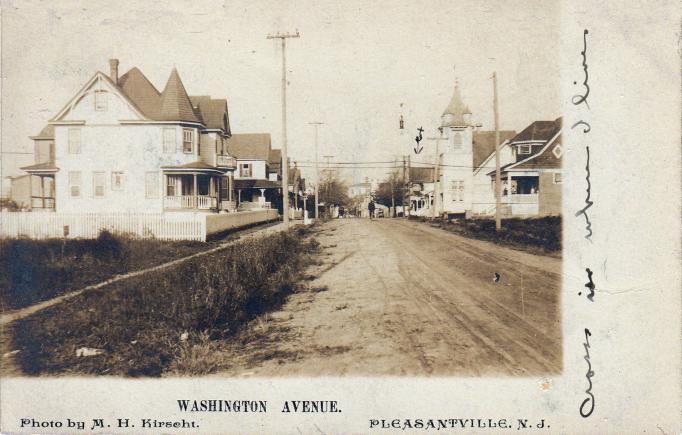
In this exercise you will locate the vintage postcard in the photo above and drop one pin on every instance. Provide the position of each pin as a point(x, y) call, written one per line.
point(323, 217)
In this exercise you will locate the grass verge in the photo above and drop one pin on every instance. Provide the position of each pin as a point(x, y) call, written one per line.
point(534, 234)
point(145, 324)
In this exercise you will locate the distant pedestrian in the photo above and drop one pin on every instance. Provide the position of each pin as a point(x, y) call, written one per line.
point(371, 208)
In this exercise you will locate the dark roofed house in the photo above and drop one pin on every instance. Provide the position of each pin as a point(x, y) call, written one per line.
point(484, 144)
point(254, 154)
point(275, 162)
point(532, 180)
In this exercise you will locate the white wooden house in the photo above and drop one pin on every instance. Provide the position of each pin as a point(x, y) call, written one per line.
point(120, 145)
point(254, 184)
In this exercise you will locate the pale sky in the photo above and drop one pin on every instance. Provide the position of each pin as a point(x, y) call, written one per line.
point(353, 66)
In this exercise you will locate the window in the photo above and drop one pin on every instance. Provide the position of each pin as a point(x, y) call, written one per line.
point(116, 180)
point(245, 169)
point(456, 140)
point(557, 178)
point(173, 185)
point(98, 184)
point(75, 184)
point(169, 140)
point(524, 149)
point(187, 140)
point(558, 151)
point(457, 190)
point(151, 185)
point(74, 141)
point(100, 101)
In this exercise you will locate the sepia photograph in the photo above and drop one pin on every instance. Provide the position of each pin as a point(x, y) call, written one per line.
point(324, 217)
point(229, 190)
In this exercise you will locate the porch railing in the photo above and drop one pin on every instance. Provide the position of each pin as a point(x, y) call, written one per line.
point(226, 162)
point(520, 198)
point(42, 202)
point(202, 202)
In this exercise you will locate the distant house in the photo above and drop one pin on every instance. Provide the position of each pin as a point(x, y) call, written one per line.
point(363, 192)
point(120, 145)
point(360, 189)
point(421, 191)
point(531, 181)
point(254, 183)
point(275, 165)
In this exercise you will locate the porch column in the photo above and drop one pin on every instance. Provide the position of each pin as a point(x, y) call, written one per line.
point(239, 196)
point(42, 190)
point(196, 196)
point(229, 188)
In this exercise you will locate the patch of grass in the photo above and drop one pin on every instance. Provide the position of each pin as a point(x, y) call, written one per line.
point(538, 233)
point(35, 270)
point(146, 324)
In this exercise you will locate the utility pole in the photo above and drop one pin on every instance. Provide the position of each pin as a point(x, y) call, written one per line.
point(392, 197)
point(498, 175)
point(285, 164)
point(407, 182)
point(436, 170)
point(317, 169)
point(328, 182)
point(404, 178)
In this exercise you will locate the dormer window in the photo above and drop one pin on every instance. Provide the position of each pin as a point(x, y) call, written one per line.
point(525, 149)
point(187, 140)
point(100, 101)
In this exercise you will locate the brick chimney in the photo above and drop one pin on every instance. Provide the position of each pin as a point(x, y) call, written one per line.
point(113, 67)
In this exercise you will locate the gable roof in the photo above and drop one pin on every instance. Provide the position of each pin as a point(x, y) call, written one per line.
point(46, 133)
point(275, 156)
point(540, 131)
point(547, 132)
point(99, 75)
point(249, 146)
point(139, 89)
point(484, 144)
point(175, 104)
point(213, 112)
point(421, 175)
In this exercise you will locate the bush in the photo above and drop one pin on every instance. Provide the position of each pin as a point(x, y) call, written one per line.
point(139, 322)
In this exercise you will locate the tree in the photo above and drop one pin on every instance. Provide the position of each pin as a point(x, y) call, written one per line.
point(391, 190)
point(334, 191)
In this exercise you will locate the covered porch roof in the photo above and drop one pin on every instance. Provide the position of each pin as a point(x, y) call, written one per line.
point(506, 171)
point(197, 167)
point(41, 168)
point(256, 184)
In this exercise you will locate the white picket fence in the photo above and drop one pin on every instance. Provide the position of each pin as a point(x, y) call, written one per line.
point(167, 226)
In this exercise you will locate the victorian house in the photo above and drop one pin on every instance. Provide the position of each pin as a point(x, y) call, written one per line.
point(120, 145)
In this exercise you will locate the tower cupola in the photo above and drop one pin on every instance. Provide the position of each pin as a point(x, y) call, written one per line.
point(457, 114)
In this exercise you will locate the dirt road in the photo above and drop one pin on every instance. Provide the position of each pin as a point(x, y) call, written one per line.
point(394, 297)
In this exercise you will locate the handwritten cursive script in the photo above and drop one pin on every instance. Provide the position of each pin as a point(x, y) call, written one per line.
point(587, 407)
point(582, 98)
point(588, 200)
point(590, 285)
